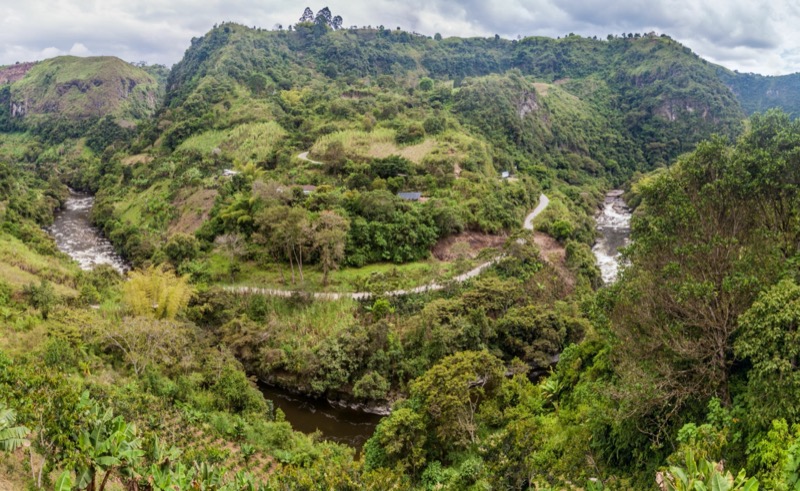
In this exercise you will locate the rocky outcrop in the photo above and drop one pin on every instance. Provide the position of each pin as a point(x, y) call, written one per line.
point(527, 105)
point(19, 109)
point(671, 109)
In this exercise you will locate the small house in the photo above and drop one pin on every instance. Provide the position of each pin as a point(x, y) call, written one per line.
point(505, 174)
point(411, 196)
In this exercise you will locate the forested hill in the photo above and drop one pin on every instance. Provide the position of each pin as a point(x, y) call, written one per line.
point(757, 93)
point(646, 89)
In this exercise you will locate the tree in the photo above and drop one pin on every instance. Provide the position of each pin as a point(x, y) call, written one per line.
point(371, 386)
point(426, 84)
point(330, 233)
point(308, 15)
point(42, 297)
point(156, 293)
point(390, 166)
point(769, 336)
point(536, 337)
point(452, 390)
point(323, 17)
point(286, 231)
point(144, 341)
point(181, 248)
point(770, 152)
point(398, 440)
point(233, 245)
point(700, 255)
point(337, 21)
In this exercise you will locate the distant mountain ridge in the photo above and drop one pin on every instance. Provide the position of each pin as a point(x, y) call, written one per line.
point(757, 93)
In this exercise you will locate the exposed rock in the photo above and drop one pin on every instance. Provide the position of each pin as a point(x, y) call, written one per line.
point(528, 104)
point(19, 109)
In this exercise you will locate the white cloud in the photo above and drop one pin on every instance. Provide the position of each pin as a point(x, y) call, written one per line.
point(755, 35)
point(79, 49)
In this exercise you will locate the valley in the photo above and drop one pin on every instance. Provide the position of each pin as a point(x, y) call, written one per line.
point(363, 258)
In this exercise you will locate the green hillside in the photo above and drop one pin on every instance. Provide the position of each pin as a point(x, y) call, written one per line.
point(758, 93)
point(81, 88)
point(578, 111)
point(651, 88)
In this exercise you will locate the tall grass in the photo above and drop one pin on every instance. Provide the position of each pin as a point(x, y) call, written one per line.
point(248, 142)
point(356, 144)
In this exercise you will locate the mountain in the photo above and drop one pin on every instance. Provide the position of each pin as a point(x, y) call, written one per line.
point(72, 88)
point(757, 93)
point(650, 89)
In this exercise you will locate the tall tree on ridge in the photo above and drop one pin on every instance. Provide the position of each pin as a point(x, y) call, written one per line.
point(308, 15)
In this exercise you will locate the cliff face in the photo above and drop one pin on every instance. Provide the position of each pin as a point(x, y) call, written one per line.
point(80, 88)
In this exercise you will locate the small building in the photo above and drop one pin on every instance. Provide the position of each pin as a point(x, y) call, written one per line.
point(229, 173)
point(505, 174)
point(411, 196)
point(308, 189)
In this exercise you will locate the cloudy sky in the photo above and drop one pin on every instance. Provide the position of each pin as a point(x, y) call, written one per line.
point(748, 35)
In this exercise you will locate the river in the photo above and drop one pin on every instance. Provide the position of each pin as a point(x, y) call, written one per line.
point(341, 425)
point(614, 226)
point(75, 235)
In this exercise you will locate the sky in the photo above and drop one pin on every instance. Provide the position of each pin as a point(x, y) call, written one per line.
point(746, 35)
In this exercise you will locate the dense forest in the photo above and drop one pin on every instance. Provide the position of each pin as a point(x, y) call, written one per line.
point(331, 165)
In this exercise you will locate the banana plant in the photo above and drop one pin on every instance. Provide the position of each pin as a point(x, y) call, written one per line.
point(11, 437)
point(703, 475)
point(108, 444)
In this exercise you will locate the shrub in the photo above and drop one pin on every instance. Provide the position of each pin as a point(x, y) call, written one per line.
point(371, 386)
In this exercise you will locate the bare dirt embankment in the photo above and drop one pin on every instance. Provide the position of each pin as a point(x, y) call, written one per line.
point(466, 244)
point(12, 73)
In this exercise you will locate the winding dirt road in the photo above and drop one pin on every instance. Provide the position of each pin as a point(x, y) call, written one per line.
point(433, 286)
point(304, 156)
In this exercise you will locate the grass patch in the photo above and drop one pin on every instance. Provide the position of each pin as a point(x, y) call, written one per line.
point(414, 153)
point(355, 144)
point(20, 266)
point(255, 142)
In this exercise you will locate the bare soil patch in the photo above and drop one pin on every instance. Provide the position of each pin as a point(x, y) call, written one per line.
point(555, 255)
point(450, 248)
point(194, 209)
point(137, 159)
